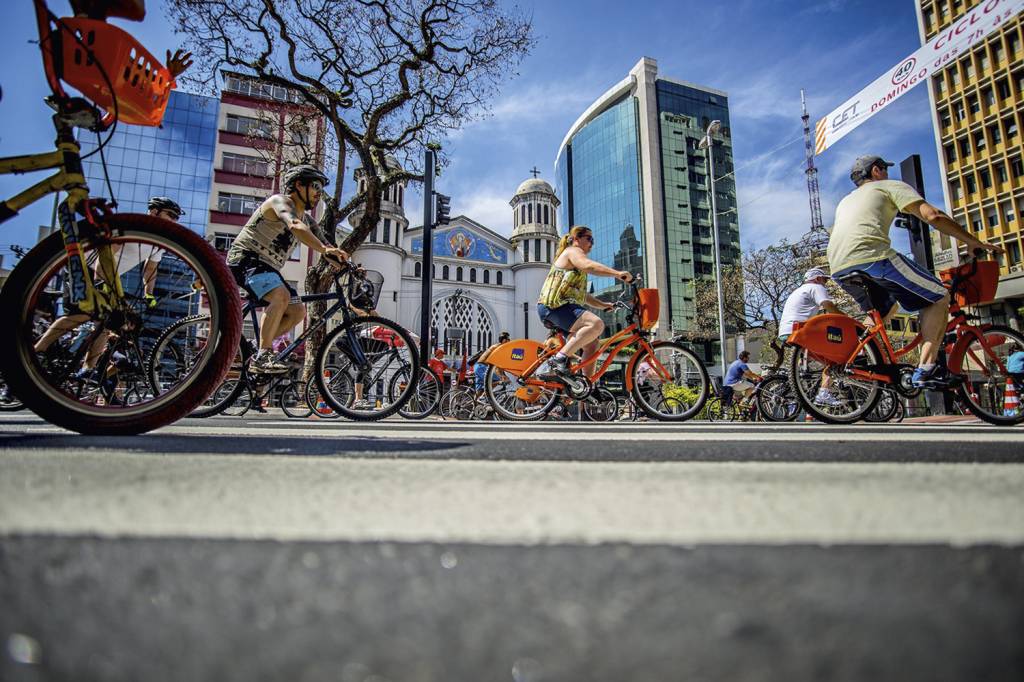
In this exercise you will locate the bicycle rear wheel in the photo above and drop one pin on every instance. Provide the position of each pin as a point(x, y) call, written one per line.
point(854, 397)
point(424, 399)
point(187, 265)
point(368, 352)
point(983, 368)
point(678, 396)
point(517, 403)
point(601, 406)
point(293, 400)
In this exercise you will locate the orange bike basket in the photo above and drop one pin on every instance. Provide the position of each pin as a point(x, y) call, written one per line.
point(979, 287)
point(140, 83)
point(650, 308)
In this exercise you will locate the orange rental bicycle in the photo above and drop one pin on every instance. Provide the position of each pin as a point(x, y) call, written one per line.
point(862, 362)
point(665, 378)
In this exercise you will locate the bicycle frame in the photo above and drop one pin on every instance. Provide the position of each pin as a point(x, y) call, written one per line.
point(252, 306)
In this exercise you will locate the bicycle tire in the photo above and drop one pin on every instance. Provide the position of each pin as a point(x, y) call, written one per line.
point(865, 406)
point(986, 399)
point(885, 409)
point(425, 399)
point(695, 372)
point(27, 377)
point(381, 334)
point(293, 401)
point(497, 385)
point(769, 397)
point(241, 401)
point(313, 400)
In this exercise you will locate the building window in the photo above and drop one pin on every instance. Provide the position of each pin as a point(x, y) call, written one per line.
point(994, 133)
point(241, 204)
point(472, 274)
point(976, 224)
point(246, 125)
point(1011, 128)
point(546, 222)
point(954, 189)
point(549, 250)
point(247, 165)
point(417, 269)
point(993, 220)
point(401, 195)
point(961, 113)
point(968, 69)
point(1017, 167)
point(536, 250)
point(1008, 214)
point(300, 136)
point(1013, 43)
point(498, 278)
point(433, 271)
point(950, 150)
point(965, 147)
point(222, 241)
point(972, 104)
point(1013, 252)
point(444, 272)
point(1001, 172)
point(529, 213)
point(458, 274)
point(969, 181)
point(979, 140)
point(989, 96)
point(487, 276)
point(1003, 86)
point(986, 178)
point(997, 51)
point(944, 120)
point(387, 231)
point(526, 251)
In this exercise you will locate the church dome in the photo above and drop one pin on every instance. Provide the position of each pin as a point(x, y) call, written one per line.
point(534, 185)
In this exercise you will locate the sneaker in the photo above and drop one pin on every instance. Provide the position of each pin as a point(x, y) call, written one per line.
point(827, 398)
point(559, 366)
point(937, 378)
point(265, 363)
point(364, 405)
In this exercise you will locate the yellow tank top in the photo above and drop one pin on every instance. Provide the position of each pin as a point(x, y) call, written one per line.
point(563, 286)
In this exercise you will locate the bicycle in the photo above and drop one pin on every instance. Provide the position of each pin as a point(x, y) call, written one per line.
point(673, 386)
point(862, 363)
point(124, 83)
point(353, 369)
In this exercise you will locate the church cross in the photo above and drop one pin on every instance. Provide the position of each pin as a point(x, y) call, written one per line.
point(535, 171)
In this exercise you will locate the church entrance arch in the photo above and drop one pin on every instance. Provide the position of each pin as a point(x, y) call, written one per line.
point(461, 325)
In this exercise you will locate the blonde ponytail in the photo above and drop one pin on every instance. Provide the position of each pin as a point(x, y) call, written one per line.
point(574, 232)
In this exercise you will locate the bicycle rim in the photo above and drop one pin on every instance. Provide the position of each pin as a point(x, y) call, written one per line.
point(29, 302)
point(855, 397)
point(368, 352)
point(601, 406)
point(681, 393)
point(293, 401)
point(776, 401)
point(514, 402)
point(984, 387)
point(425, 397)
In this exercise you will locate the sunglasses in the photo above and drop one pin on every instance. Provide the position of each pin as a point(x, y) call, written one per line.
point(588, 237)
point(317, 185)
point(170, 215)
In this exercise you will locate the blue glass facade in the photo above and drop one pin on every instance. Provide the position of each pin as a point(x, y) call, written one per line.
point(602, 162)
point(174, 161)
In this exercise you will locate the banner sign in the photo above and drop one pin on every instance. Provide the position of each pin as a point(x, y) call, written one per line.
point(940, 52)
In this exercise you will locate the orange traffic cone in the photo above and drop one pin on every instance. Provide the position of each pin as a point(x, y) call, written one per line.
point(808, 417)
point(1011, 404)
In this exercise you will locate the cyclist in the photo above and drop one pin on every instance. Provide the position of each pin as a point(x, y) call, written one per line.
point(262, 247)
point(564, 293)
point(479, 362)
point(739, 378)
point(129, 258)
point(859, 246)
point(804, 302)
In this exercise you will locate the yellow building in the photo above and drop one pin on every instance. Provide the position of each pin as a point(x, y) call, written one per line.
point(978, 113)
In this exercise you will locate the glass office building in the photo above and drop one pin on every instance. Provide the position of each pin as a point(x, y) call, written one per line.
point(176, 161)
point(631, 169)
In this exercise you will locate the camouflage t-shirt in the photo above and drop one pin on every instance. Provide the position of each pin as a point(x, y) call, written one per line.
point(269, 240)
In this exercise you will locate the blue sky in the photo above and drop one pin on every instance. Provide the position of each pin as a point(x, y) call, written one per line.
point(760, 52)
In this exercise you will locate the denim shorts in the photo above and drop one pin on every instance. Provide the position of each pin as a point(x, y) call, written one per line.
point(563, 317)
point(891, 280)
point(260, 280)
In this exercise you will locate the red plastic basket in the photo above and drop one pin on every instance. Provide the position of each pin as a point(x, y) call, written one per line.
point(977, 288)
point(650, 308)
point(141, 84)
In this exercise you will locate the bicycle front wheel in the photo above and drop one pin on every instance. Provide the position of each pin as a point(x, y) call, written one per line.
point(601, 406)
point(517, 403)
point(293, 401)
point(985, 379)
point(776, 400)
point(424, 399)
point(675, 392)
point(367, 352)
point(848, 398)
point(185, 265)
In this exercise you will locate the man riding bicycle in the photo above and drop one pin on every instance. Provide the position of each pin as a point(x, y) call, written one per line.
point(263, 246)
point(864, 263)
point(564, 293)
point(804, 302)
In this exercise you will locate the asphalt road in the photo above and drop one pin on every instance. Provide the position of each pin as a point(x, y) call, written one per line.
point(272, 549)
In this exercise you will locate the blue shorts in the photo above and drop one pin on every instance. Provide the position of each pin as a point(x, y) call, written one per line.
point(260, 280)
point(479, 374)
point(563, 317)
point(891, 280)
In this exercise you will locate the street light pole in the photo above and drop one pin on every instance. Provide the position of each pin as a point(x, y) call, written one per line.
point(426, 293)
point(707, 144)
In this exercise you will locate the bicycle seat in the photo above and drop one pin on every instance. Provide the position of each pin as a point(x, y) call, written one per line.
point(132, 10)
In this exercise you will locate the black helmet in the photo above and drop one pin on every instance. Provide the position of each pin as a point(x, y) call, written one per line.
point(302, 173)
point(165, 204)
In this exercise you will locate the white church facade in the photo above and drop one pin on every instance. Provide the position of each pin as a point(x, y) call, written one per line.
point(483, 282)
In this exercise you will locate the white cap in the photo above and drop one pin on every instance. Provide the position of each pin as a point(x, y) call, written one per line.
point(815, 273)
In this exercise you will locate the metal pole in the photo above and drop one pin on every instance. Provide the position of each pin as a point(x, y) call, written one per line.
point(714, 234)
point(426, 292)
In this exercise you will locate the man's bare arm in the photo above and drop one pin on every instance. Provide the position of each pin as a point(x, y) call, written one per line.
point(830, 307)
point(943, 223)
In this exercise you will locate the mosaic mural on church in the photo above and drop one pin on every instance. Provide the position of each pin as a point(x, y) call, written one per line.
point(460, 243)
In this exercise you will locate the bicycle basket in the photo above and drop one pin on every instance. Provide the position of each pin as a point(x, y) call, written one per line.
point(649, 305)
point(977, 288)
point(141, 85)
point(364, 292)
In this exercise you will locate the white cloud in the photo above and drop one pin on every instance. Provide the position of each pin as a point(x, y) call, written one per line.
point(487, 206)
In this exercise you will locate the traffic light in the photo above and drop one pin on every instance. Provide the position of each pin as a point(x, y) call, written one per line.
point(442, 209)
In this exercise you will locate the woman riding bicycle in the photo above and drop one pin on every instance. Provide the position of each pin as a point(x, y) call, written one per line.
point(564, 294)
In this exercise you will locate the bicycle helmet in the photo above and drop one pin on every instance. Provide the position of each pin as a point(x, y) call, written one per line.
point(303, 173)
point(165, 204)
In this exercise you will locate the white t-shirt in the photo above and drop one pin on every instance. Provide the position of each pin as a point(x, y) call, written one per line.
point(133, 253)
point(801, 304)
